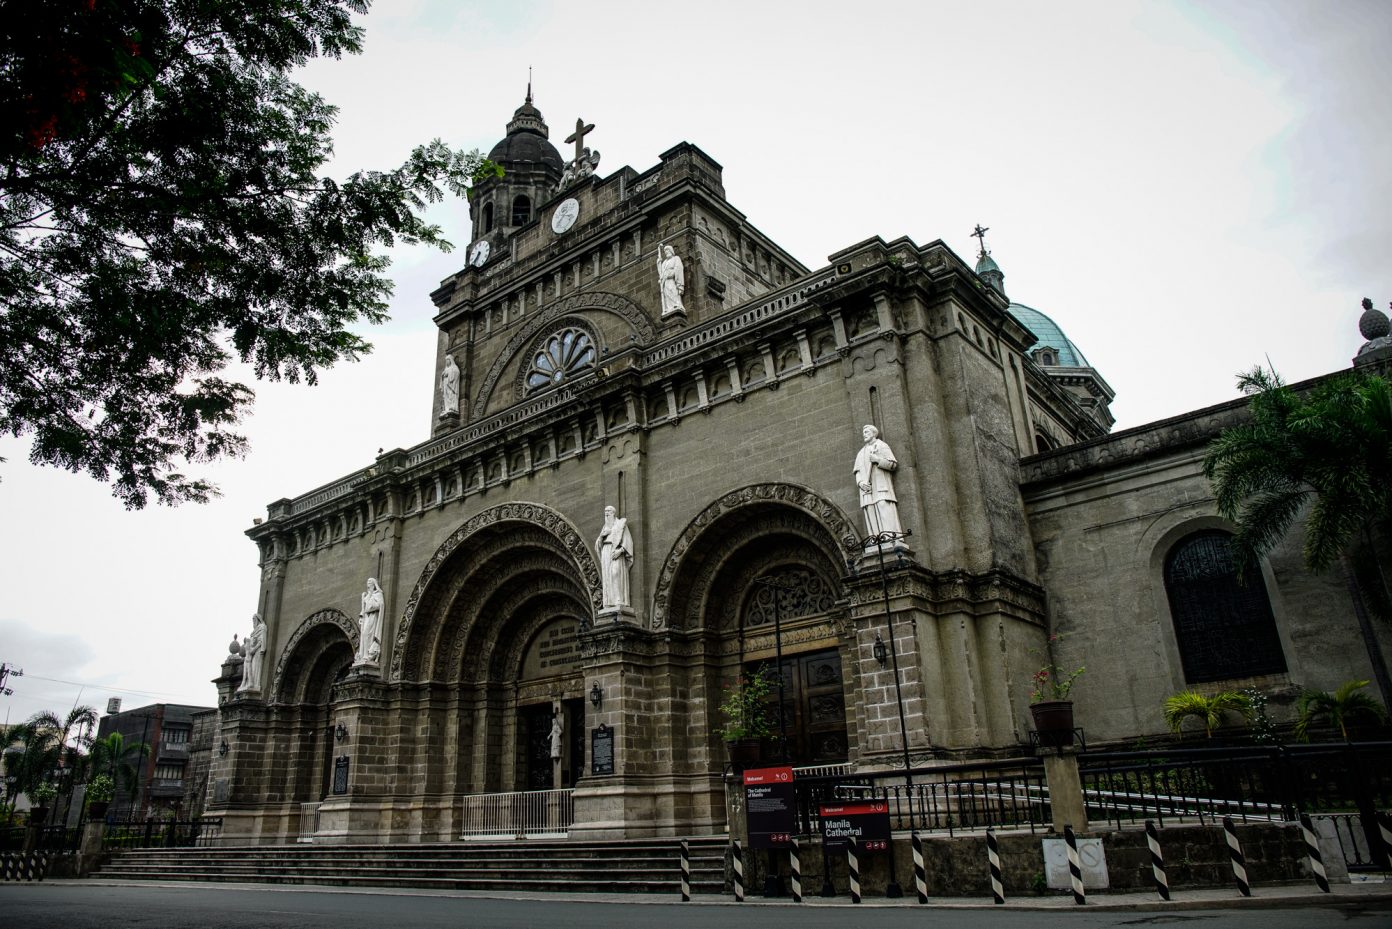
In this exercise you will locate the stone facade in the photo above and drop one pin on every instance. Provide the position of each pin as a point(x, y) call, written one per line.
point(725, 435)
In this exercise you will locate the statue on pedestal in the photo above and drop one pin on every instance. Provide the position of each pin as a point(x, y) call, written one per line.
point(254, 649)
point(671, 279)
point(449, 388)
point(615, 550)
point(874, 467)
point(556, 729)
point(370, 624)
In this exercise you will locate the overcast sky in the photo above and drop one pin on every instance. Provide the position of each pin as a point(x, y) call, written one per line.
point(1186, 189)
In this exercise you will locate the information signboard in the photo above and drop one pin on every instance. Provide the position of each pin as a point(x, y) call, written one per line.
point(865, 821)
point(770, 808)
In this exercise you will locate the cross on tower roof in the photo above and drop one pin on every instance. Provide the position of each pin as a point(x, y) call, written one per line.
point(980, 233)
point(578, 137)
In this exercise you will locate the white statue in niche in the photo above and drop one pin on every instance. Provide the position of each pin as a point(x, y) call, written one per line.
point(449, 387)
point(556, 728)
point(874, 466)
point(254, 649)
point(671, 279)
point(370, 624)
point(615, 550)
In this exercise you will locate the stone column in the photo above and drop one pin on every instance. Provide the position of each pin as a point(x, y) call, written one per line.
point(360, 707)
point(1065, 788)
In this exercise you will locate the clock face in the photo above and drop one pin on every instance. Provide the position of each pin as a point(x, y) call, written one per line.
point(565, 215)
point(478, 254)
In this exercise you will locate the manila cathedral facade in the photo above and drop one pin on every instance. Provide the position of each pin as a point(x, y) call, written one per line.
point(664, 455)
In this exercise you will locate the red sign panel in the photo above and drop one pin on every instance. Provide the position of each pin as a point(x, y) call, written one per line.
point(866, 821)
point(770, 808)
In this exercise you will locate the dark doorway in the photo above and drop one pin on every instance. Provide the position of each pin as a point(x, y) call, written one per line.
point(814, 701)
point(574, 765)
point(535, 731)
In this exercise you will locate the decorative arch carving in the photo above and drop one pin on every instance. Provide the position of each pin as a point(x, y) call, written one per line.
point(620, 306)
point(329, 617)
point(822, 511)
point(536, 514)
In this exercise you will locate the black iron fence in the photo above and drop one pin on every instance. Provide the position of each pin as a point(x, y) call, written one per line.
point(946, 798)
point(161, 833)
point(1247, 783)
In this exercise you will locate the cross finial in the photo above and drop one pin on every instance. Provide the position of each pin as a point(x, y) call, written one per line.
point(980, 233)
point(529, 84)
point(578, 137)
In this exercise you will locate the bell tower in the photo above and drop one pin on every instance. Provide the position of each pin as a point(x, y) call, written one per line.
point(532, 170)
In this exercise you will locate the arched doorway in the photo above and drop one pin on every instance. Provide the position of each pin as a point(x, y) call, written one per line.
point(762, 575)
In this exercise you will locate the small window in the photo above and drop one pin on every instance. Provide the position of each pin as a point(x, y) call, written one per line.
point(175, 736)
point(488, 217)
point(1224, 627)
point(521, 210)
point(170, 772)
point(564, 355)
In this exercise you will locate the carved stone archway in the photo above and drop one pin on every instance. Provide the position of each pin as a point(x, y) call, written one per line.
point(296, 644)
point(430, 584)
point(835, 529)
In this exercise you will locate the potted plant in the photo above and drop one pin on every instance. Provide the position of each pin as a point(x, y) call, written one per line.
point(100, 790)
point(40, 798)
point(1209, 709)
point(1049, 703)
point(746, 717)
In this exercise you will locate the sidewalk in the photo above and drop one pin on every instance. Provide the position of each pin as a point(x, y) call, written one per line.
point(1289, 895)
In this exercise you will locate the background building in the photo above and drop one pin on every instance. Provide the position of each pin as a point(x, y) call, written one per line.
point(167, 728)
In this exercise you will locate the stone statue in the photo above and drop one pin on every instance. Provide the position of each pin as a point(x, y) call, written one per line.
point(254, 648)
point(671, 278)
point(556, 737)
point(579, 168)
point(874, 465)
point(615, 550)
point(370, 624)
point(449, 387)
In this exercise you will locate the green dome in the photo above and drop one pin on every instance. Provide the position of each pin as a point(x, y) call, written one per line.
point(1048, 333)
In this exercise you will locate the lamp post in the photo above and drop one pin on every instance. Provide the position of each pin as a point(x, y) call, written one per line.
point(880, 540)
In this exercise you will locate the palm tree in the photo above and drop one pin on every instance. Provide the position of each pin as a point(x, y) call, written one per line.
point(117, 758)
point(1327, 454)
point(1341, 707)
point(1209, 710)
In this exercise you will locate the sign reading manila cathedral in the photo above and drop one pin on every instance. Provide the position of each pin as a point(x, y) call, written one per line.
point(659, 451)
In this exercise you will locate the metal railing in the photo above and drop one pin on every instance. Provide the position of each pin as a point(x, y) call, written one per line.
point(519, 814)
point(161, 833)
point(945, 798)
point(1248, 782)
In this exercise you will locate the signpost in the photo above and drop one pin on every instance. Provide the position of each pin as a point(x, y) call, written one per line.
point(770, 809)
point(867, 822)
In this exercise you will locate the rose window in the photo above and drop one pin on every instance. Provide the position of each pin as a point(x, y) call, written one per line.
point(563, 356)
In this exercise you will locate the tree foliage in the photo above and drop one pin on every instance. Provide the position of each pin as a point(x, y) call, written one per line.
point(1210, 710)
point(45, 743)
point(119, 760)
point(163, 211)
point(1339, 709)
point(1326, 453)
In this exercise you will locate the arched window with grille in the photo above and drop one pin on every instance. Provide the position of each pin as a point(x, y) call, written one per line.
point(564, 355)
point(521, 210)
point(1224, 627)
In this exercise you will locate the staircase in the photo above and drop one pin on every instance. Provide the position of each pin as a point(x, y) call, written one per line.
point(631, 866)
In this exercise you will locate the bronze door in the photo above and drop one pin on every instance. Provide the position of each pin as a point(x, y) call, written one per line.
point(814, 702)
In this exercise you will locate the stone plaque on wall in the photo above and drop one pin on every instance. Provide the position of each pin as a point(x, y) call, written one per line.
point(553, 652)
point(220, 790)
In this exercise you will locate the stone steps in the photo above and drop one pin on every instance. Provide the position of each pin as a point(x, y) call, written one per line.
point(642, 866)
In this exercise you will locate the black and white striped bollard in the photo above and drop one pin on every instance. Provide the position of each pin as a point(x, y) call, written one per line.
point(685, 871)
point(1307, 828)
point(1157, 861)
point(795, 863)
point(920, 873)
point(853, 866)
point(738, 857)
point(1075, 867)
point(993, 857)
point(1239, 863)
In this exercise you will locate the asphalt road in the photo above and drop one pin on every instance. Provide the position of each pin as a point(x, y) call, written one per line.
point(82, 906)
